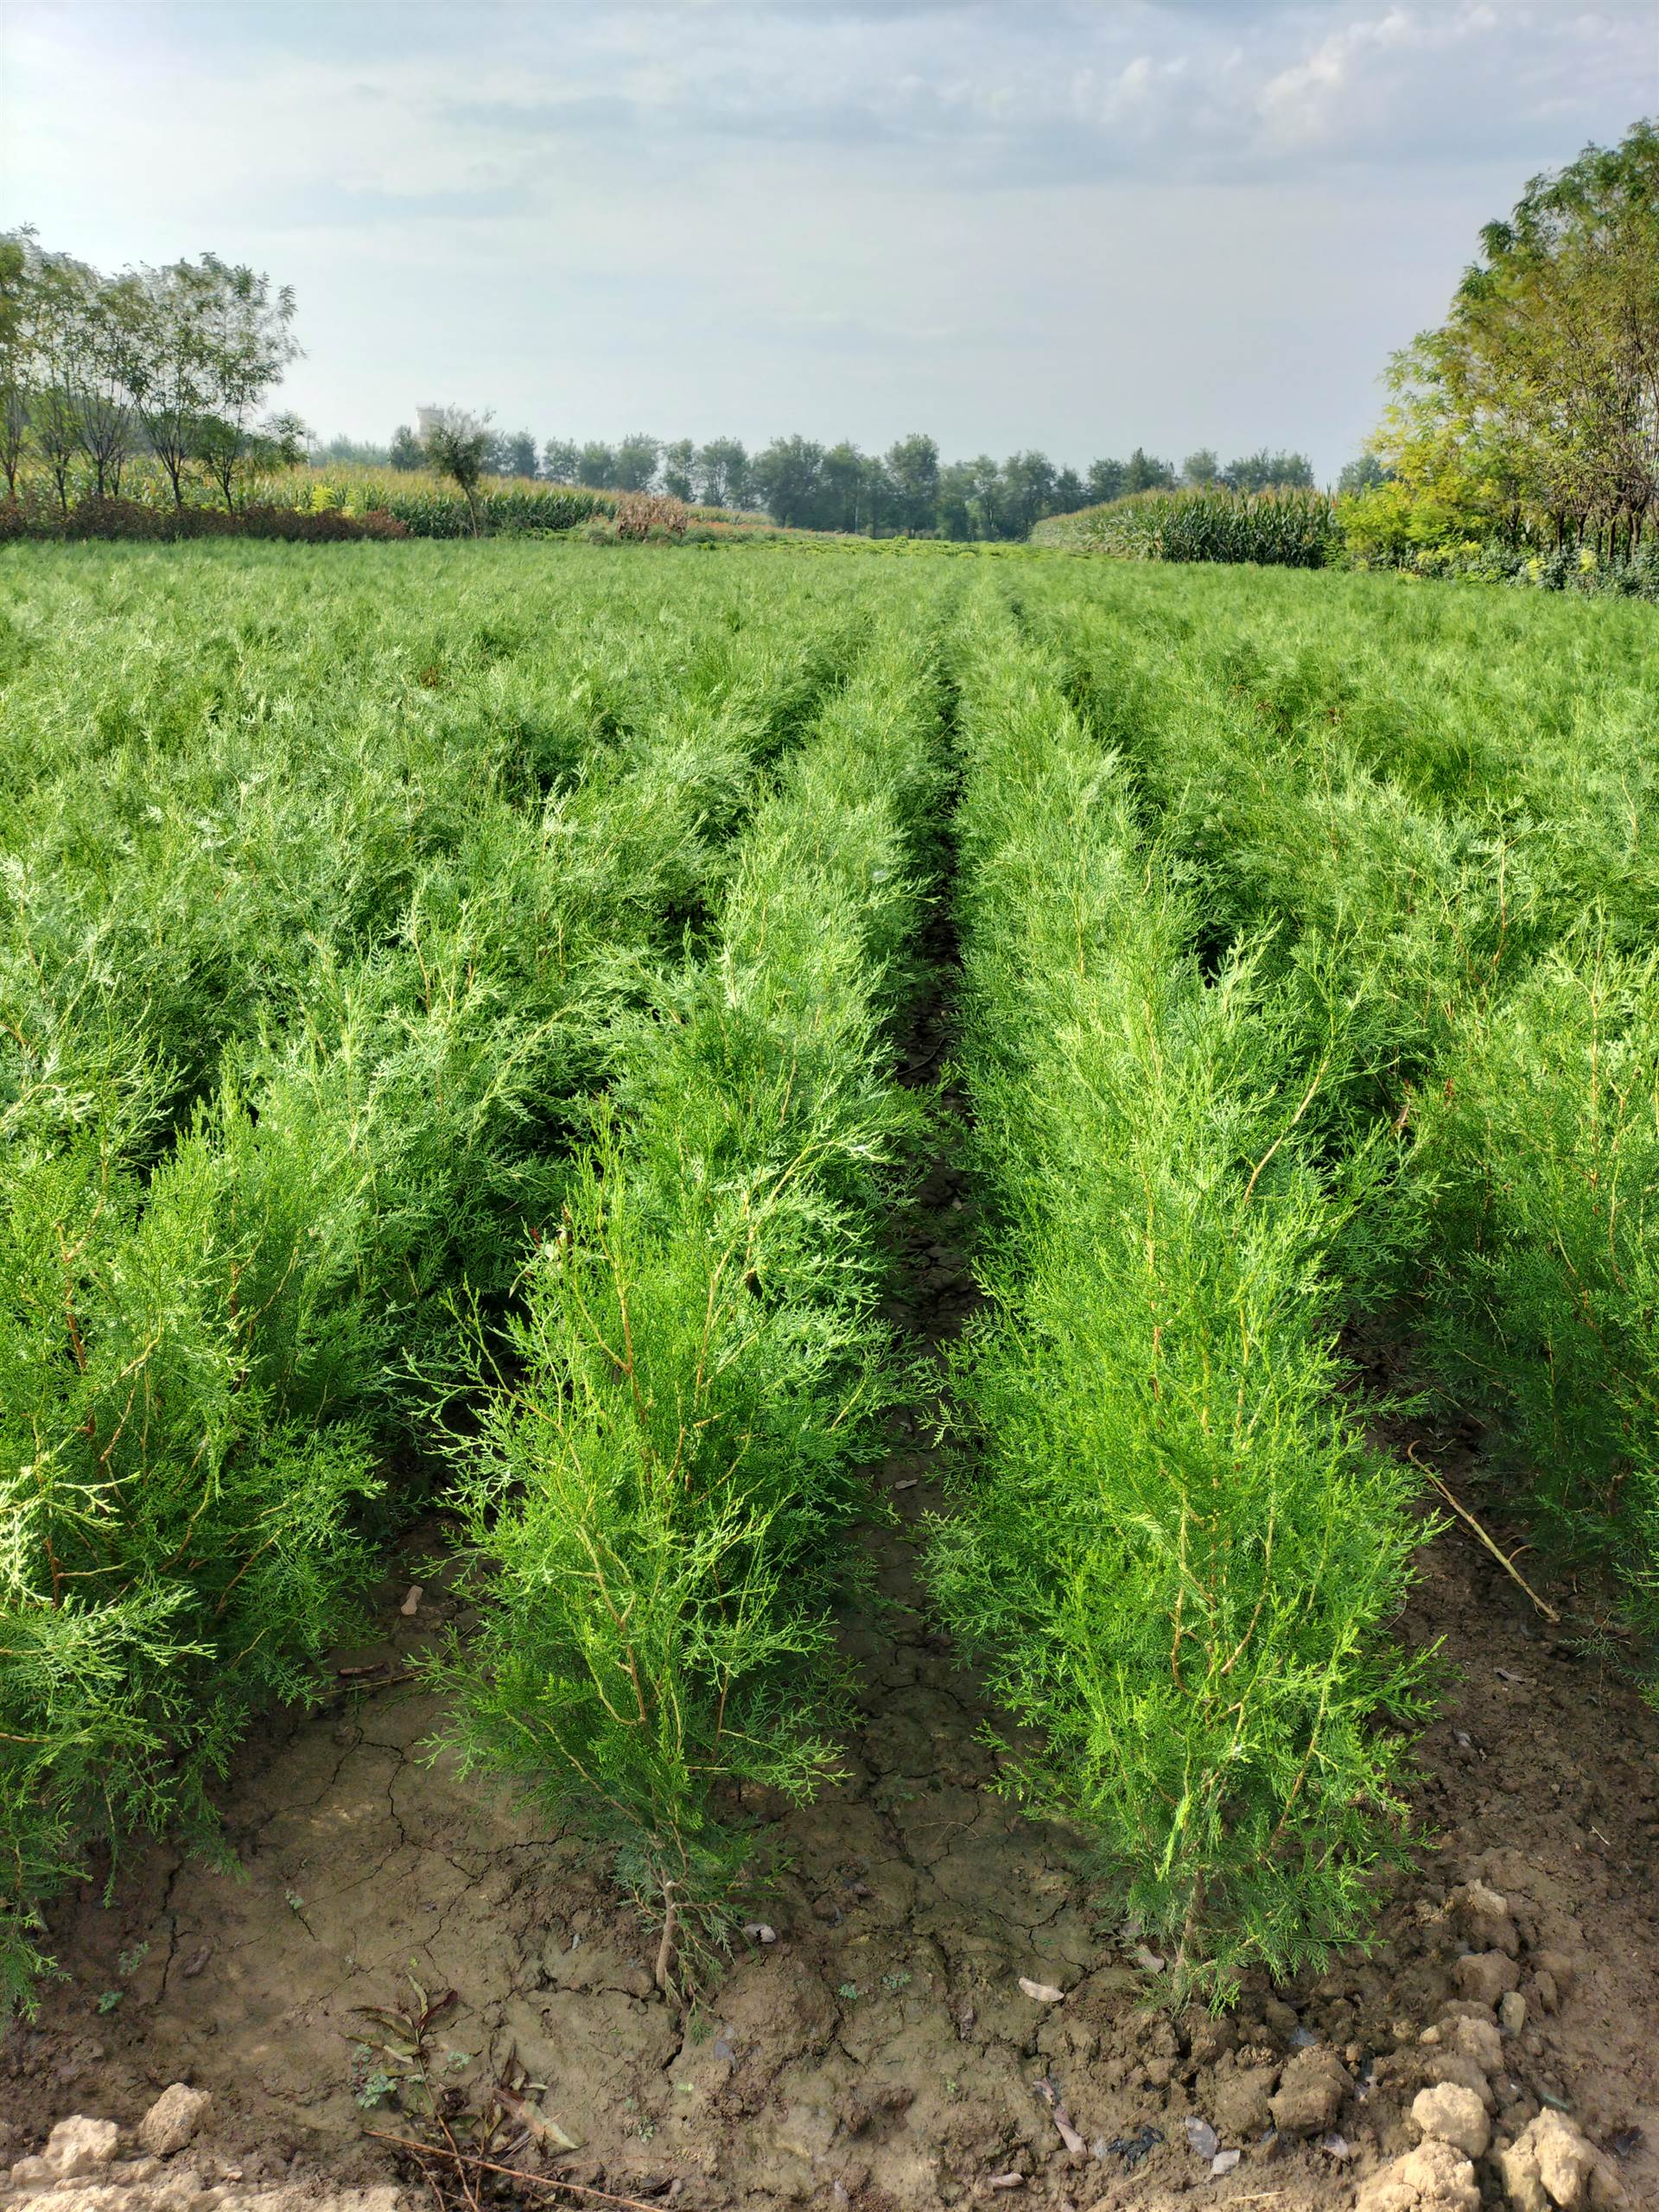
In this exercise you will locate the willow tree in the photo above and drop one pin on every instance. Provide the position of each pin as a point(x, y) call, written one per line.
point(457, 445)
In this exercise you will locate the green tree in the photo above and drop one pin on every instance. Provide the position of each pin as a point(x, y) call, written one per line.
point(636, 462)
point(59, 291)
point(985, 494)
point(1145, 474)
point(1068, 495)
point(596, 465)
point(958, 491)
point(560, 461)
point(1201, 468)
point(846, 500)
point(250, 342)
point(19, 312)
point(105, 318)
point(354, 452)
point(912, 466)
point(788, 478)
point(723, 474)
point(457, 443)
point(1263, 471)
point(1028, 489)
point(1534, 407)
point(406, 451)
point(1363, 474)
point(169, 365)
point(679, 460)
point(518, 455)
point(1105, 480)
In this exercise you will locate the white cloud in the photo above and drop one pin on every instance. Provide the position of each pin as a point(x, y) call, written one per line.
point(1367, 72)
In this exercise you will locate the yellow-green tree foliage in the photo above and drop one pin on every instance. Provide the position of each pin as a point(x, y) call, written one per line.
point(1533, 411)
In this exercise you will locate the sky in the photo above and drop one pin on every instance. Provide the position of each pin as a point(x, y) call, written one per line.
point(1076, 224)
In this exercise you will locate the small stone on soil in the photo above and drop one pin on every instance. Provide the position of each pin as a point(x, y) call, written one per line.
point(1132, 2148)
point(1486, 1976)
point(1453, 2115)
point(177, 2115)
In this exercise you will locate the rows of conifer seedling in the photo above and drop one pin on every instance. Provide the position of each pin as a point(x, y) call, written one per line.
point(664, 1490)
point(1432, 821)
point(1175, 1551)
point(304, 981)
point(506, 989)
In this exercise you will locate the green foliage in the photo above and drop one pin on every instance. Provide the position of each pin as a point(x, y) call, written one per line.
point(1178, 1554)
point(329, 504)
point(491, 984)
point(701, 1353)
point(304, 981)
point(1543, 1204)
point(1530, 411)
point(1430, 814)
point(1282, 528)
point(145, 520)
point(457, 445)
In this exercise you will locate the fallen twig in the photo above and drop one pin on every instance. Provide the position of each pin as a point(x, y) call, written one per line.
point(512, 2173)
point(670, 1930)
point(1463, 1512)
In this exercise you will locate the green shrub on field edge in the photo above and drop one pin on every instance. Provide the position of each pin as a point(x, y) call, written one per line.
point(1577, 568)
point(128, 518)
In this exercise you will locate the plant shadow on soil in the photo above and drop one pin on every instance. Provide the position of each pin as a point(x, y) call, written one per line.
point(879, 2054)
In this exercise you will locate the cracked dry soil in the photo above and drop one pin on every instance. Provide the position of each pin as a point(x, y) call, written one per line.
point(881, 2053)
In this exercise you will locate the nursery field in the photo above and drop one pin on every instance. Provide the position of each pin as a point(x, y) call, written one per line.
point(829, 1375)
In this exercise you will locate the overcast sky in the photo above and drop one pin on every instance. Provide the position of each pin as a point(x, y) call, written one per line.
point(1080, 225)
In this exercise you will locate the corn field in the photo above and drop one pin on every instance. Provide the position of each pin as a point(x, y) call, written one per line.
point(1279, 528)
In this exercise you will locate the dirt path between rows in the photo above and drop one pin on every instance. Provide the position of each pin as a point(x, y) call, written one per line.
point(879, 2053)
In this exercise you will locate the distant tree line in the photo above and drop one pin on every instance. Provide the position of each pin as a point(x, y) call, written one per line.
point(804, 485)
point(174, 364)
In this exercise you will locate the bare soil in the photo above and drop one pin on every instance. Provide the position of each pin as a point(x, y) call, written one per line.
point(879, 2053)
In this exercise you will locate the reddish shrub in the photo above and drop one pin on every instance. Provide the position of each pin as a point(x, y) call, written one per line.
point(132, 519)
point(114, 519)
